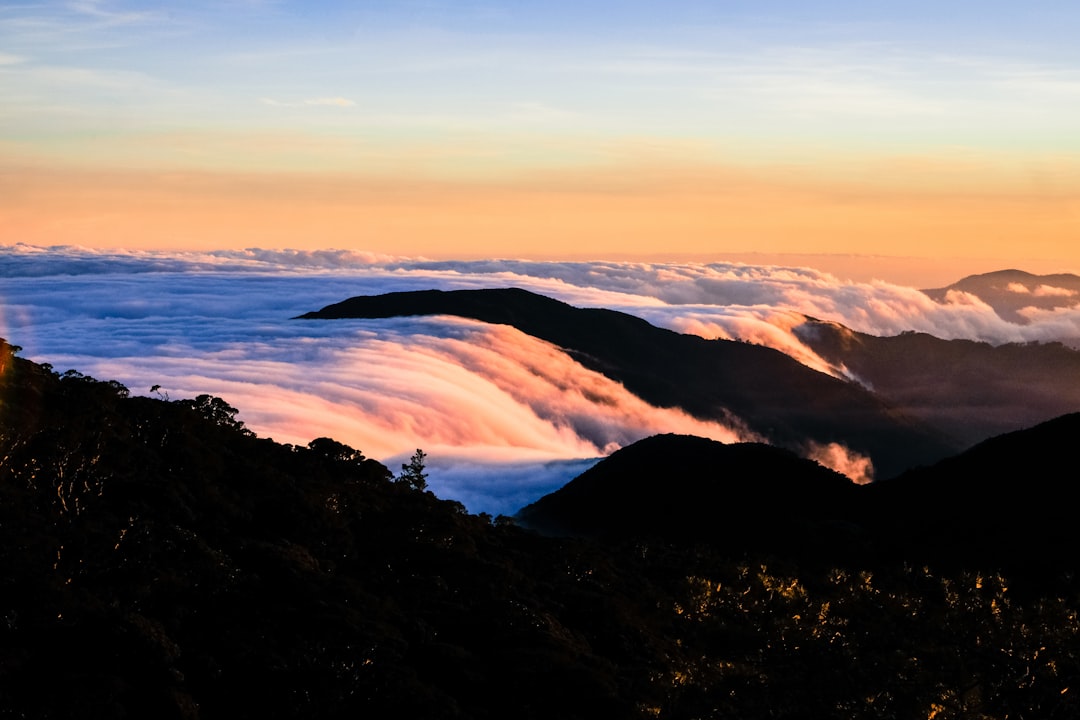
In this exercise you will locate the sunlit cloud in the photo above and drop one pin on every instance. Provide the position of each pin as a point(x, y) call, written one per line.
point(219, 323)
point(450, 386)
point(764, 303)
point(1051, 291)
point(472, 395)
point(836, 456)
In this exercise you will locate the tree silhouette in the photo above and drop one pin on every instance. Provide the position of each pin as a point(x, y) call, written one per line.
point(412, 472)
point(330, 448)
point(217, 411)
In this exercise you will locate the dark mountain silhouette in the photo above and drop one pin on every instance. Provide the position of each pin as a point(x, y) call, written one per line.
point(747, 496)
point(1010, 291)
point(777, 397)
point(969, 390)
point(159, 560)
point(1003, 504)
point(1006, 502)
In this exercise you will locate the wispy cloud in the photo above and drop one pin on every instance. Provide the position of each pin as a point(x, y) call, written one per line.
point(671, 83)
point(107, 16)
point(322, 101)
point(61, 28)
point(332, 101)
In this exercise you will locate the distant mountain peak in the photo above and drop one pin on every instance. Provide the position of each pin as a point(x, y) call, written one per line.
point(1011, 292)
point(1006, 274)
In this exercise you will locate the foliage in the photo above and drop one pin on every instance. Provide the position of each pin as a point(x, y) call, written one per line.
point(336, 451)
point(910, 643)
point(216, 410)
point(412, 472)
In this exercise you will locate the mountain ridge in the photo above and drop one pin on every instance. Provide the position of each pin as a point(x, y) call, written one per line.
point(968, 389)
point(773, 394)
point(998, 505)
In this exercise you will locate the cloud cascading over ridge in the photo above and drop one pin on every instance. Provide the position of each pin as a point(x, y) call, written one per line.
point(468, 393)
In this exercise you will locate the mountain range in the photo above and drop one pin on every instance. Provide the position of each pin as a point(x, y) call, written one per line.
point(773, 395)
point(913, 399)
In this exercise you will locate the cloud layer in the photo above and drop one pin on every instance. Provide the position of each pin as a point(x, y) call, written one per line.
point(472, 395)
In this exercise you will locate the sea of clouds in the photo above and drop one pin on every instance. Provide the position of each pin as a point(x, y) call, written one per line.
point(503, 417)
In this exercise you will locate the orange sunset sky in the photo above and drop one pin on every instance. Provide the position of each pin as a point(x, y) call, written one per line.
point(889, 142)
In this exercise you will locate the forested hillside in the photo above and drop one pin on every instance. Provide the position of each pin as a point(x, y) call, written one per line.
point(159, 560)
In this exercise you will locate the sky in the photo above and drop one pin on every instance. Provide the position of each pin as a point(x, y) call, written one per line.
point(912, 141)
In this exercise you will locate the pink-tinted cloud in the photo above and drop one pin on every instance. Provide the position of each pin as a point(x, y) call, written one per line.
point(1051, 291)
point(469, 394)
point(836, 456)
point(464, 391)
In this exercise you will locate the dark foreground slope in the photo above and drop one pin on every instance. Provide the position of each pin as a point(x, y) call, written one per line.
point(1003, 505)
point(746, 496)
point(777, 397)
point(1007, 502)
point(969, 390)
point(160, 561)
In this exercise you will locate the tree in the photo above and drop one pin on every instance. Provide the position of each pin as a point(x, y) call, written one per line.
point(412, 472)
point(337, 451)
point(216, 411)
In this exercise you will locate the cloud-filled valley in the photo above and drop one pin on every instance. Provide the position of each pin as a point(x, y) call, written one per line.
point(503, 416)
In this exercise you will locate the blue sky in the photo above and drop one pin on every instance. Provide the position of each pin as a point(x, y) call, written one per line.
point(919, 72)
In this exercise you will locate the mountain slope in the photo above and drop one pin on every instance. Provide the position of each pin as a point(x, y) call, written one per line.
point(1006, 502)
point(969, 390)
point(1003, 504)
point(774, 395)
point(747, 497)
